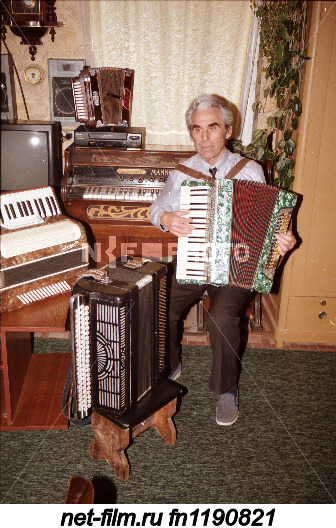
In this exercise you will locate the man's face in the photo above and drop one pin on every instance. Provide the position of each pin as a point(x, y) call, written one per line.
point(209, 134)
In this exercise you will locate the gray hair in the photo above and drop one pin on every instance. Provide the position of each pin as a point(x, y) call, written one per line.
point(205, 101)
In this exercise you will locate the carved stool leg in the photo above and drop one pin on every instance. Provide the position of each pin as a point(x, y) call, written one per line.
point(109, 444)
point(164, 423)
point(110, 440)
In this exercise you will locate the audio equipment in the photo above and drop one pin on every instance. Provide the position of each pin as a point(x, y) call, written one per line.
point(62, 107)
point(110, 137)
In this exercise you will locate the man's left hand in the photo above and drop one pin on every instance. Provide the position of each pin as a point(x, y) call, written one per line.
point(286, 242)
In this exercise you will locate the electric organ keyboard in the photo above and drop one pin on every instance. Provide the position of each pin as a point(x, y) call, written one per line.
point(42, 251)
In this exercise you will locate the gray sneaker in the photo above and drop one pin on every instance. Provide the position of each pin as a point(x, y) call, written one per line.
point(227, 408)
point(176, 373)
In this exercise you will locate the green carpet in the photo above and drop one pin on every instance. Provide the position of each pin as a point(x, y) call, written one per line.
point(281, 450)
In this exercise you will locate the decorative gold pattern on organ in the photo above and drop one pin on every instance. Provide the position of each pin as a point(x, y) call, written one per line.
point(117, 212)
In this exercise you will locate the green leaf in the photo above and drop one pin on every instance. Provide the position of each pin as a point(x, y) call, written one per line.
point(287, 134)
point(295, 122)
point(259, 153)
point(292, 143)
point(280, 50)
point(288, 149)
point(279, 166)
point(298, 109)
point(279, 113)
point(257, 134)
point(281, 144)
point(266, 92)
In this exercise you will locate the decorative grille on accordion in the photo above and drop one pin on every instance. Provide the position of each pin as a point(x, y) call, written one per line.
point(118, 329)
point(234, 237)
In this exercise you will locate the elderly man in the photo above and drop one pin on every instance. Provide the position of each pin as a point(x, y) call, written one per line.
point(209, 121)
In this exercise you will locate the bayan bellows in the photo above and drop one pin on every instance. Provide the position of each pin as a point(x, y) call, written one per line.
point(233, 241)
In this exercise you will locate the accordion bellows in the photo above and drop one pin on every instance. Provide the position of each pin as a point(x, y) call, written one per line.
point(118, 332)
point(234, 239)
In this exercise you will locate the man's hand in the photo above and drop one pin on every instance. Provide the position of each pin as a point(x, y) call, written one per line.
point(286, 242)
point(177, 223)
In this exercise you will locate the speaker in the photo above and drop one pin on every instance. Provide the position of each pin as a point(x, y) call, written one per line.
point(8, 98)
point(62, 107)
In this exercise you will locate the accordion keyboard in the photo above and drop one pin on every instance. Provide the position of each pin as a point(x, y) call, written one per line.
point(25, 208)
point(79, 99)
point(194, 248)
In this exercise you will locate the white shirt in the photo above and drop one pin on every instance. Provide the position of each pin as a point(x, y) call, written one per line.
point(169, 199)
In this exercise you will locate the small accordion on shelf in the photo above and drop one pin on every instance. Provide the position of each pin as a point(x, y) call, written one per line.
point(234, 237)
point(103, 96)
point(42, 252)
point(118, 334)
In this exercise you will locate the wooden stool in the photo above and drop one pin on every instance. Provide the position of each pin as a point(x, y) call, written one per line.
point(112, 437)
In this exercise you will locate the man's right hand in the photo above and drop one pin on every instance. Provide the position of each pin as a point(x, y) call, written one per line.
point(177, 223)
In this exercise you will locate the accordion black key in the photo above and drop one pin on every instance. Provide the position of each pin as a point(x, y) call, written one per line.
point(103, 96)
point(234, 237)
point(118, 334)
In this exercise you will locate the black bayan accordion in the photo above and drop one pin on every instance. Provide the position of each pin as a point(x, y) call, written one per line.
point(118, 334)
point(233, 241)
point(103, 96)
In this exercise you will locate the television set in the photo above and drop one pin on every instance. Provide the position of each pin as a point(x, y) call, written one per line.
point(31, 155)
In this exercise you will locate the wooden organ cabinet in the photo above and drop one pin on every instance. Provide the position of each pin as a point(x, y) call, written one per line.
point(304, 310)
point(110, 191)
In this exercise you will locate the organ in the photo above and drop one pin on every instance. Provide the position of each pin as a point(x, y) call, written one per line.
point(111, 190)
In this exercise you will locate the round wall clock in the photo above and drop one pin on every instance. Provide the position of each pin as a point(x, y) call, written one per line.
point(34, 75)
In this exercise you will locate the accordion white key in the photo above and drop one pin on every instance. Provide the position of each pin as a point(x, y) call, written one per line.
point(234, 237)
point(42, 251)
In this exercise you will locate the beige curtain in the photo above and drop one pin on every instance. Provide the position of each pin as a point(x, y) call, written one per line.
point(178, 50)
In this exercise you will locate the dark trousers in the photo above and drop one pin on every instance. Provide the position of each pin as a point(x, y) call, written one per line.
point(222, 322)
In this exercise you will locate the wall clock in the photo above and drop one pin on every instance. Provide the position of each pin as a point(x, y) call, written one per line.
point(30, 20)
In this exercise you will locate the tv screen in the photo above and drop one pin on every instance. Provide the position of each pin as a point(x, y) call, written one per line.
point(31, 154)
